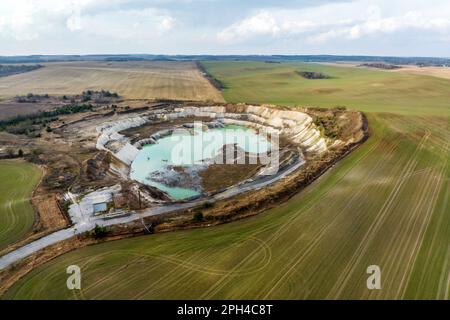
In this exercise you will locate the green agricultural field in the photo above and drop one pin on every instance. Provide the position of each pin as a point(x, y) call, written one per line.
point(17, 181)
point(360, 88)
point(387, 204)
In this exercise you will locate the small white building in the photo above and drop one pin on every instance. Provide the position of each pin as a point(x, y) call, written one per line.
point(100, 203)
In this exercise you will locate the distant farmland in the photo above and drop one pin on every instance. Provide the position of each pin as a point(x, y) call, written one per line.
point(134, 80)
point(387, 203)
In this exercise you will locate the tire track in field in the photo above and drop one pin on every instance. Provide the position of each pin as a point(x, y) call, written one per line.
point(44, 276)
point(444, 285)
point(400, 240)
point(399, 244)
point(437, 182)
point(189, 268)
point(285, 226)
point(342, 281)
point(323, 230)
point(267, 251)
point(445, 272)
point(428, 195)
point(111, 275)
point(262, 247)
point(419, 241)
point(312, 202)
point(368, 238)
point(254, 234)
point(164, 278)
point(388, 152)
point(124, 282)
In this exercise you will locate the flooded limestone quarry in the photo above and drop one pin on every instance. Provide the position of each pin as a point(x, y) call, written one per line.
point(174, 159)
point(190, 152)
point(178, 163)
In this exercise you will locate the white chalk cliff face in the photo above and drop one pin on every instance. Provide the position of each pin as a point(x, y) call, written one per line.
point(297, 126)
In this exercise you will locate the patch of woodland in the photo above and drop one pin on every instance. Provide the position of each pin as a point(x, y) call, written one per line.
point(8, 70)
point(313, 75)
point(380, 65)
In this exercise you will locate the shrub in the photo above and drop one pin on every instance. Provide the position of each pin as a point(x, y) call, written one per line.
point(99, 232)
point(208, 204)
point(198, 217)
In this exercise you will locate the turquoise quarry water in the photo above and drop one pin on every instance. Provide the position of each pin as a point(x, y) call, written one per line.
point(187, 148)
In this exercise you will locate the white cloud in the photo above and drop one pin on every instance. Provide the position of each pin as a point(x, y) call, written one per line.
point(73, 22)
point(27, 20)
point(263, 23)
point(347, 21)
point(410, 21)
point(222, 27)
point(167, 23)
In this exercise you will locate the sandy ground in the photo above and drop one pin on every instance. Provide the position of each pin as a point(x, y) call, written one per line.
point(439, 72)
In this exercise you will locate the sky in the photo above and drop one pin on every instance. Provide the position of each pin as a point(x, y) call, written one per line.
point(352, 27)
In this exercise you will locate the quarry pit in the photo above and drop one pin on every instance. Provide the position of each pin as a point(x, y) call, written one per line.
point(228, 150)
point(138, 143)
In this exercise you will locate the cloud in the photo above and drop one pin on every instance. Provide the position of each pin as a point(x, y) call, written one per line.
point(167, 23)
point(346, 21)
point(261, 24)
point(410, 21)
point(28, 20)
point(73, 22)
point(225, 26)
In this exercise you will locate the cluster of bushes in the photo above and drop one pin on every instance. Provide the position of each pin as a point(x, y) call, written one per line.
point(32, 98)
point(99, 232)
point(103, 96)
point(328, 126)
point(380, 65)
point(313, 75)
point(199, 216)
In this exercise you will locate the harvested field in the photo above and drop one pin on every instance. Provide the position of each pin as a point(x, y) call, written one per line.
point(439, 72)
point(133, 80)
point(387, 203)
point(18, 179)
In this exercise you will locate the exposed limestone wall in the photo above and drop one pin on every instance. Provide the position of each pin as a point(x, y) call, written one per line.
point(297, 126)
point(110, 132)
